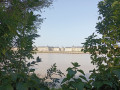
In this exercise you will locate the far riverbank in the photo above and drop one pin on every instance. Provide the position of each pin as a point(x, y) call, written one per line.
point(61, 52)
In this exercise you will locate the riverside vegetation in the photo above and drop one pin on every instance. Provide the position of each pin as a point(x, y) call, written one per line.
point(18, 28)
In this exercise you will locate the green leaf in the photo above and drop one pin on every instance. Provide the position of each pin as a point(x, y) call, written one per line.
point(14, 77)
point(64, 80)
point(115, 3)
point(81, 71)
point(33, 62)
point(32, 70)
point(43, 88)
point(108, 83)
point(75, 64)
point(22, 86)
point(6, 87)
point(77, 79)
point(28, 64)
point(71, 73)
point(98, 84)
point(79, 86)
point(38, 59)
point(83, 77)
point(117, 72)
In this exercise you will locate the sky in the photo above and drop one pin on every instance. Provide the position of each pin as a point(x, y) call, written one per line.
point(68, 23)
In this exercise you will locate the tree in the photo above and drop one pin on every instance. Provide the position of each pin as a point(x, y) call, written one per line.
point(105, 51)
point(18, 28)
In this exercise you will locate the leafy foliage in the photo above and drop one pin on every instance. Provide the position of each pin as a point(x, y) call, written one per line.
point(105, 51)
point(52, 79)
point(21, 81)
point(18, 29)
point(74, 82)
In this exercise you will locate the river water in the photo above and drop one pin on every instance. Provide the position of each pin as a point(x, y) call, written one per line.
point(63, 61)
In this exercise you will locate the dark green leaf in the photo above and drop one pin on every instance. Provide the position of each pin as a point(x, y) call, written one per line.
point(117, 72)
point(71, 73)
point(6, 87)
point(22, 86)
point(81, 71)
point(79, 86)
point(38, 59)
point(83, 77)
point(75, 64)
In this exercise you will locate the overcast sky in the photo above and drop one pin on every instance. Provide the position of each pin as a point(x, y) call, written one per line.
point(68, 22)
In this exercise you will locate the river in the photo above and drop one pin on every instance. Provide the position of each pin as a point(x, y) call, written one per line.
point(63, 61)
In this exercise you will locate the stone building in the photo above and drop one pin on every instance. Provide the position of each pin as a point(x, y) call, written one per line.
point(43, 49)
point(68, 49)
point(56, 49)
point(76, 49)
point(62, 49)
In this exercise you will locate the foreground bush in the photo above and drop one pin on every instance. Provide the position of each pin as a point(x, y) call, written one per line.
point(18, 28)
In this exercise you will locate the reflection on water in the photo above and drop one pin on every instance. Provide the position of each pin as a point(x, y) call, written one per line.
point(63, 61)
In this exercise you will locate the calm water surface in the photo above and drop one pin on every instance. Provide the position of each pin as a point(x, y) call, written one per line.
point(63, 61)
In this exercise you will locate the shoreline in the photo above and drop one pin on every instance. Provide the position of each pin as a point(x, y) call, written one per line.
point(61, 52)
